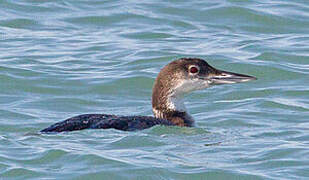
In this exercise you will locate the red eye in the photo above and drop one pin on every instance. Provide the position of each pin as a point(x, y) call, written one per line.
point(193, 70)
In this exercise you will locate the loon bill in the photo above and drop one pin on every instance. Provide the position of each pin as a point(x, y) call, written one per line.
point(176, 79)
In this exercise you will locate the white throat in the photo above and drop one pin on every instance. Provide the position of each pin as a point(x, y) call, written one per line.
point(176, 103)
point(183, 87)
point(172, 104)
point(175, 96)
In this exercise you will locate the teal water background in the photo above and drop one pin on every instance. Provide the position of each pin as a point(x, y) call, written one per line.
point(61, 58)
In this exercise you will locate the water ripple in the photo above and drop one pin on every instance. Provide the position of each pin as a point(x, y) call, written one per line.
point(64, 58)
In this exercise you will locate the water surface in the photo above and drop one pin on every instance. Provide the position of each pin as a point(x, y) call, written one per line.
point(64, 58)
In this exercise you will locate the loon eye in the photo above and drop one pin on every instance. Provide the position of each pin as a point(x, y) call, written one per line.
point(193, 69)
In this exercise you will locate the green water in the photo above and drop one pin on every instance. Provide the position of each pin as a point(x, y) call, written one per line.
point(64, 58)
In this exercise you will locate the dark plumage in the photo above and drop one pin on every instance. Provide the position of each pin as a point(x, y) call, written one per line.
point(105, 121)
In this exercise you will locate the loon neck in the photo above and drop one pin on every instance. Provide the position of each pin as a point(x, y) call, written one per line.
point(178, 118)
point(167, 104)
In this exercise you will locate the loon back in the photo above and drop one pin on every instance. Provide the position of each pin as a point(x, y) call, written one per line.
point(106, 121)
point(176, 79)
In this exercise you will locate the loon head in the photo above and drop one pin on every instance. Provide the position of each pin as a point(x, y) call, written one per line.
point(181, 77)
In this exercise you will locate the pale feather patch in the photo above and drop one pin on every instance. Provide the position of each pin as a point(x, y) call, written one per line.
point(157, 113)
point(176, 94)
point(175, 97)
point(176, 103)
point(188, 85)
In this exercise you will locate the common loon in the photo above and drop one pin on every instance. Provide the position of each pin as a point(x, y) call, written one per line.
point(176, 79)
